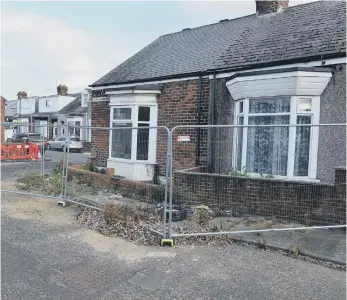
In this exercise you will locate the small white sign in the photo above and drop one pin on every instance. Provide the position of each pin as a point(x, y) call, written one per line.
point(183, 138)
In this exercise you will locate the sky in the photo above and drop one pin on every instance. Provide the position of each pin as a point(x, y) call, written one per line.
point(75, 43)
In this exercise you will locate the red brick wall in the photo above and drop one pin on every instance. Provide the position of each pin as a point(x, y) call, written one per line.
point(142, 191)
point(303, 202)
point(2, 119)
point(100, 138)
point(177, 105)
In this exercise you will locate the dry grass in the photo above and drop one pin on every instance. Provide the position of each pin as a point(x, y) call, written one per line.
point(48, 184)
point(122, 213)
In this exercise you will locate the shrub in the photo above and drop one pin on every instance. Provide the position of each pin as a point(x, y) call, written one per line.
point(123, 213)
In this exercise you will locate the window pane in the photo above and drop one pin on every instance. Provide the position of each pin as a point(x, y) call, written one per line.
point(121, 141)
point(267, 106)
point(267, 147)
point(142, 142)
point(122, 113)
point(144, 113)
point(241, 107)
point(239, 145)
point(304, 104)
point(302, 146)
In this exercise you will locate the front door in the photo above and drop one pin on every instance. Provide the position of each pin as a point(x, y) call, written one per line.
point(76, 121)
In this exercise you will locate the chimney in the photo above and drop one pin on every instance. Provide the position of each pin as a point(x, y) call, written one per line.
point(264, 7)
point(22, 94)
point(62, 89)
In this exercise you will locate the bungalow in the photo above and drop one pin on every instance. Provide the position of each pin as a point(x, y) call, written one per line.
point(280, 66)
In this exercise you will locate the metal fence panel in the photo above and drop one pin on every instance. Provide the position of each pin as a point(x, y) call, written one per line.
point(228, 179)
point(24, 161)
point(127, 166)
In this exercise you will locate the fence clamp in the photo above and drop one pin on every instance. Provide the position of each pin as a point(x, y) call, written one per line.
point(167, 242)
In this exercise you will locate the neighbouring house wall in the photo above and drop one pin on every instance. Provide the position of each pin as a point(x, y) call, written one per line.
point(332, 140)
point(303, 202)
point(55, 103)
point(26, 106)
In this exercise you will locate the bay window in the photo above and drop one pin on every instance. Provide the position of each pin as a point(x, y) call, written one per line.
point(133, 144)
point(279, 109)
point(278, 149)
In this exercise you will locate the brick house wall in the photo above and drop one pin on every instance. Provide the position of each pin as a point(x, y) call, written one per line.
point(177, 105)
point(100, 138)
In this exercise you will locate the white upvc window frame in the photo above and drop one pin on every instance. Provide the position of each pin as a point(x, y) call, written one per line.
point(314, 113)
point(134, 120)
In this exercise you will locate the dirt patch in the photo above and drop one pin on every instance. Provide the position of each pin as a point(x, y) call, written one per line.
point(123, 249)
point(35, 208)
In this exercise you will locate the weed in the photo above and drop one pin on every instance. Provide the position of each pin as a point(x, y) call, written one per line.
point(48, 184)
point(201, 216)
point(236, 173)
point(93, 190)
point(263, 243)
point(293, 250)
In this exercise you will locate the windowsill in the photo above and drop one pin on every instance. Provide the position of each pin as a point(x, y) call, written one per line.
point(129, 161)
point(282, 178)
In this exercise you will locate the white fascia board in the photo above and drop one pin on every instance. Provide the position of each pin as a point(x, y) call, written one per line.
point(332, 61)
point(125, 92)
point(290, 83)
point(279, 75)
point(107, 87)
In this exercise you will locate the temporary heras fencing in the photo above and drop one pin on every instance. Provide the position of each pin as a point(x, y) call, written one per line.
point(234, 179)
point(210, 179)
point(128, 166)
point(24, 162)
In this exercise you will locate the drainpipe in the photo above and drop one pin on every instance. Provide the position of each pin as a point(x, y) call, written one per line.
point(198, 123)
point(213, 121)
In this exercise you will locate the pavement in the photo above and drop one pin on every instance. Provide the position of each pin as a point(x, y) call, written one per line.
point(322, 244)
point(45, 255)
point(10, 170)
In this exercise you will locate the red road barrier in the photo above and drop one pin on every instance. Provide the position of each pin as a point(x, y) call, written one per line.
point(16, 152)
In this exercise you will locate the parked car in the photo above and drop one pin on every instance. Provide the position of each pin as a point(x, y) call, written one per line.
point(59, 143)
point(35, 138)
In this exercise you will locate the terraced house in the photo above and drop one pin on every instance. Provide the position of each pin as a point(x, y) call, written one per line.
point(279, 66)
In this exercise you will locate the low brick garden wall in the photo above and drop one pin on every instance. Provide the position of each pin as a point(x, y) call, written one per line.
point(144, 191)
point(304, 202)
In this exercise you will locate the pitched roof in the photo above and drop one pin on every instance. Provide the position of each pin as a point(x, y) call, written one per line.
point(9, 110)
point(302, 31)
point(74, 107)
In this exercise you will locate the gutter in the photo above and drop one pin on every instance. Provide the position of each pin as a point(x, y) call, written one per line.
point(233, 69)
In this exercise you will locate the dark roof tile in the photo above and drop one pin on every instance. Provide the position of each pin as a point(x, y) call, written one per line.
point(308, 30)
